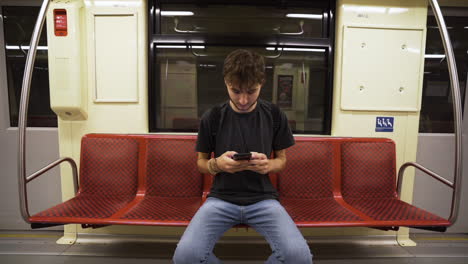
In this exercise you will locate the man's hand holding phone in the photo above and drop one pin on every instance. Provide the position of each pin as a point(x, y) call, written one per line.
point(259, 163)
point(227, 163)
point(232, 162)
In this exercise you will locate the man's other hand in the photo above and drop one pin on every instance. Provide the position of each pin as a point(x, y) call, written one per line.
point(259, 163)
point(227, 164)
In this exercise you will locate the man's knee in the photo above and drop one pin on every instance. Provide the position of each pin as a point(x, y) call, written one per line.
point(297, 255)
point(188, 253)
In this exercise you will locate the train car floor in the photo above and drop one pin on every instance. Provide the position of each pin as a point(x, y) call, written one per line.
point(40, 248)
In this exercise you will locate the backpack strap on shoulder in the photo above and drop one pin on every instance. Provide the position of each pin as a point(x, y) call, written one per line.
point(276, 114)
point(215, 116)
point(215, 120)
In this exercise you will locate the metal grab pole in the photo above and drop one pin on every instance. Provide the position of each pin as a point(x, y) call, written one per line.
point(457, 116)
point(23, 110)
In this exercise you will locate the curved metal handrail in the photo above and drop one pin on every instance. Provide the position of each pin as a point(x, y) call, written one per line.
point(301, 26)
point(195, 28)
point(280, 52)
point(23, 110)
point(457, 116)
point(54, 164)
point(194, 53)
point(434, 175)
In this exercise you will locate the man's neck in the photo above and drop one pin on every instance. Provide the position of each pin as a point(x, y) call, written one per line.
point(234, 107)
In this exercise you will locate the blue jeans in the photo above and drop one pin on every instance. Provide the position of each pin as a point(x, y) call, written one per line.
point(267, 217)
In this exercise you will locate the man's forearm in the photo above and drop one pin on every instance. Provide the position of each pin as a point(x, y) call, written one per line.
point(277, 164)
point(202, 165)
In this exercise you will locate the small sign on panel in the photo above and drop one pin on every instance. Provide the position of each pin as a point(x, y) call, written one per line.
point(384, 124)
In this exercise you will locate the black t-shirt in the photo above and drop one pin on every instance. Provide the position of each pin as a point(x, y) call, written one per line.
point(244, 132)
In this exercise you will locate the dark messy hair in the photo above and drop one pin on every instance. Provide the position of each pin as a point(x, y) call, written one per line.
point(244, 68)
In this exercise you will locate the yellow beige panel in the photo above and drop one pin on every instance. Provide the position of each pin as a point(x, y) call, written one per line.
point(66, 150)
point(67, 86)
point(381, 69)
point(116, 52)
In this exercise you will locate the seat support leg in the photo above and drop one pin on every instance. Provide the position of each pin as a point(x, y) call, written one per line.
point(403, 238)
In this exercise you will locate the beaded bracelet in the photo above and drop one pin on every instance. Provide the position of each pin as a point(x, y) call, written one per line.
point(215, 165)
point(213, 168)
point(210, 168)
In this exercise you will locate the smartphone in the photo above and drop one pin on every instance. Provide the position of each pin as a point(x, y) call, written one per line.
point(242, 156)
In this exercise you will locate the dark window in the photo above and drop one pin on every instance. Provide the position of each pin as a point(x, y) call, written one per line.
point(257, 20)
point(437, 112)
point(18, 23)
point(189, 42)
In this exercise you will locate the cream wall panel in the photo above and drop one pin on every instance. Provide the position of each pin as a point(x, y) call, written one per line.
point(116, 58)
point(381, 68)
point(68, 93)
point(67, 149)
point(411, 13)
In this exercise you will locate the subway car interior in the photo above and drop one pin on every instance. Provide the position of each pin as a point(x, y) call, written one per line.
point(101, 102)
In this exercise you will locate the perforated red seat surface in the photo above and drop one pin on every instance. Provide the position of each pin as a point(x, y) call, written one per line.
point(319, 212)
point(369, 185)
point(154, 180)
point(174, 184)
point(115, 168)
point(108, 182)
point(397, 212)
point(84, 206)
point(306, 186)
point(164, 210)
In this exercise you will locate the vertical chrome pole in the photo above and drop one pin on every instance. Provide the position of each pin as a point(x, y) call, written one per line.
point(23, 110)
point(457, 115)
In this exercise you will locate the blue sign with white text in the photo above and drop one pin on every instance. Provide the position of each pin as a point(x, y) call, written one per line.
point(384, 124)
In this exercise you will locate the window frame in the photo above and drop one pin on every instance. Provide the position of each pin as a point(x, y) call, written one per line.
point(156, 37)
point(49, 121)
point(427, 127)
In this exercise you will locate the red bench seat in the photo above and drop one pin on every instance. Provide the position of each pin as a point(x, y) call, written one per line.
point(346, 182)
point(154, 180)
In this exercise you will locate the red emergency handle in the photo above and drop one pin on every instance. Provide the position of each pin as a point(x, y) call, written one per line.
point(60, 22)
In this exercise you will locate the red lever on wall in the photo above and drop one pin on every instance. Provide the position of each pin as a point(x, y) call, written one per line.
point(60, 22)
